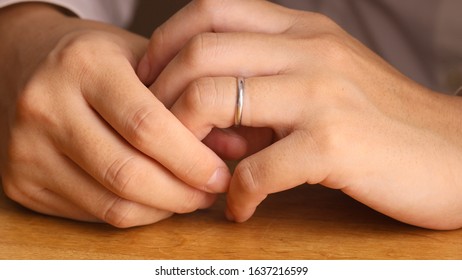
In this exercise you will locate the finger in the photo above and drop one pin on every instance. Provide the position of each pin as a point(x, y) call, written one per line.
point(290, 162)
point(82, 190)
point(125, 171)
point(144, 122)
point(211, 102)
point(235, 143)
point(71, 192)
point(226, 143)
point(230, 54)
point(44, 201)
point(210, 16)
point(27, 179)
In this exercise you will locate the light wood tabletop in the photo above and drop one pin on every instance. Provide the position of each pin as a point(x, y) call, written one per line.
point(308, 222)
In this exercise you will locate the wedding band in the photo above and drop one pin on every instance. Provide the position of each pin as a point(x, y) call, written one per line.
point(239, 101)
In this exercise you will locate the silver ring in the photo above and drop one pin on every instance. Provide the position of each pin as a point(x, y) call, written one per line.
point(239, 101)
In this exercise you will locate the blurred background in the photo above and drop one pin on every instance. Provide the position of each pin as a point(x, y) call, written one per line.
point(150, 14)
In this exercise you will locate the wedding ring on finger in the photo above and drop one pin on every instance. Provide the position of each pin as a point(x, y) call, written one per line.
point(239, 101)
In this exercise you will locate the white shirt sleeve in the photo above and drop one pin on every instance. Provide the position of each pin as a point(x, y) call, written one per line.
point(118, 12)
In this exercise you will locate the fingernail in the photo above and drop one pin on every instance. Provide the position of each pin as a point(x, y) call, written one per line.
point(144, 69)
point(219, 181)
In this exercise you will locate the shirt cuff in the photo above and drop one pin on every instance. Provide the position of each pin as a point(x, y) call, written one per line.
point(117, 12)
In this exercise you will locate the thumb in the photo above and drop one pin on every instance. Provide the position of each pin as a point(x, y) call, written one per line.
point(288, 163)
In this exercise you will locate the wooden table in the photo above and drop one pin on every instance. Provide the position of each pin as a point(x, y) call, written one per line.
point(309, 222)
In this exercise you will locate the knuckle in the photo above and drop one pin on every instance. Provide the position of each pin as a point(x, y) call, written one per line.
point(324, 23)
point(139, 126)
point(323, 20)
point(23, 154)
point(11, 189)
point(333, 48)
point(26, 105)
point(33, 106)
point(18, 151)
point(76, 52)
point(199, 50)
point(119, 213)
point(246, 175)
point(119, 176)
point(190, 203)
point(209, 6)
point(21, 192)
point(201, 95)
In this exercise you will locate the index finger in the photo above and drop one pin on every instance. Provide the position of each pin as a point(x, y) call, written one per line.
point(209, 16)
point(131, 109)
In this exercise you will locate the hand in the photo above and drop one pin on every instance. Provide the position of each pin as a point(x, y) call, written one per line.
point(341, 116)
point(82, 137)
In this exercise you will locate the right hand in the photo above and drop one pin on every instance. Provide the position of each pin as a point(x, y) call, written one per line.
point(81, 136)
point(341, 116)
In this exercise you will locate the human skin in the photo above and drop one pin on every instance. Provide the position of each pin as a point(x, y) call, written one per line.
point(81, 136)
point(338, 114)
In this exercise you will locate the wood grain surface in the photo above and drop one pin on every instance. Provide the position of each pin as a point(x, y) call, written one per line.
point(308, 222)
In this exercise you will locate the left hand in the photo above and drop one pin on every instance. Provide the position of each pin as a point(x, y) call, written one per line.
point(81, 137)
point(341, 116)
